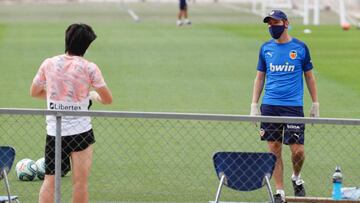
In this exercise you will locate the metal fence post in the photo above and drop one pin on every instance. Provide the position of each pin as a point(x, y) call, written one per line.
point(58, 159)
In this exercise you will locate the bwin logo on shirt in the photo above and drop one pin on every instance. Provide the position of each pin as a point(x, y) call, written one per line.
point(282, 68)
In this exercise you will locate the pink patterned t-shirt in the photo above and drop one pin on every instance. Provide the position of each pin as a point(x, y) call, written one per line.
point(67, 80)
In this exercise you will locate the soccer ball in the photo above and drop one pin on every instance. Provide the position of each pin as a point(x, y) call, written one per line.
point(40, 164)
point(26, 170)
point(307, 31)
point(346, 26)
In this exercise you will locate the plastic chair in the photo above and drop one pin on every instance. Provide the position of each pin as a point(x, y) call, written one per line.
point(244, 171)
point(7, 156)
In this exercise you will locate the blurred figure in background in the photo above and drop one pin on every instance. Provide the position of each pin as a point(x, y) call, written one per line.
point(183, 14)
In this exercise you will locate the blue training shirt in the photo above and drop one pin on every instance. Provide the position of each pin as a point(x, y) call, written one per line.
point(284, 65)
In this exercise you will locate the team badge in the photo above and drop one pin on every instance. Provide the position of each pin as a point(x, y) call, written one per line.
point(262, 132)
point(293, 54)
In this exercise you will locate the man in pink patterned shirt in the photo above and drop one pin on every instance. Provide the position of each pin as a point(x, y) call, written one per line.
point(65, 82)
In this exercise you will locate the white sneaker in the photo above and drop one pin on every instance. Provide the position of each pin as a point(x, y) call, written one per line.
point(299, 189)
point(187, 22)
point(278, 198)
point(179, 23)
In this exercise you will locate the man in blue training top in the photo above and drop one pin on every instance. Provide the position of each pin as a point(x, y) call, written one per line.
point(282, 63)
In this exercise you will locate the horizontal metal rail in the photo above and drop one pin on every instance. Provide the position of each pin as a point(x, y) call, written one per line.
point(181, 116)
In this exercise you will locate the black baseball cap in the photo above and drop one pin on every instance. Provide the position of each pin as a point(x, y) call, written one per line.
point(275, 14)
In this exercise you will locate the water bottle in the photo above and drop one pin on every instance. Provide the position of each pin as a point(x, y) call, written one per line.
point(337, 184)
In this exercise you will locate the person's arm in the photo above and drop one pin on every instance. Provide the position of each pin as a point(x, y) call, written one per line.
point(37, 91)
point(38, 86)
point(258, 86)
point(102, 95)
point(257, 89)
point(311, 85)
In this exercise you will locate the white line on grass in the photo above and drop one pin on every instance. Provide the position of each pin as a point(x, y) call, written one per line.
point(133, 15)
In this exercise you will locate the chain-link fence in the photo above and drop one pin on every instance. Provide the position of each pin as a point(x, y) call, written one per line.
point(164, 157)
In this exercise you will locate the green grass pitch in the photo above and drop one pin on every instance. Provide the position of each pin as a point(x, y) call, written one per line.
point(153, 65)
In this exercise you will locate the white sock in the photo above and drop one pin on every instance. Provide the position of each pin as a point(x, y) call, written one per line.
point(281, 192)
point(294, 177)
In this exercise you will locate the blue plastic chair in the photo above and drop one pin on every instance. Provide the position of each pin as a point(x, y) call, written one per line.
point(244, 171)
point(7, 156)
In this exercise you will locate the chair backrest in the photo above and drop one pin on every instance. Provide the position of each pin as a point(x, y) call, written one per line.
point(244, 171)
point(7, 156)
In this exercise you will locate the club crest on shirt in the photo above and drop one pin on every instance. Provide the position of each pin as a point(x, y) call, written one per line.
point(262, 132)
point(293, 54)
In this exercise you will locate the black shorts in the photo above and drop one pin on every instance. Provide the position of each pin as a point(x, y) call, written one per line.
point(183, 4)
point(71, 143)
point(293, 132)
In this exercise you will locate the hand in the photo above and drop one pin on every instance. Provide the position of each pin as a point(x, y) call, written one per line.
point(314, 111)
point(254, 110)
point(94, 96)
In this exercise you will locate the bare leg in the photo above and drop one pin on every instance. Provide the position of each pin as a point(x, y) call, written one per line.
point(276, 148)
point(47, 189)
point(179, 15)
point(297, 157)
point(81, 164)
point(179, 21)
point(183, 14)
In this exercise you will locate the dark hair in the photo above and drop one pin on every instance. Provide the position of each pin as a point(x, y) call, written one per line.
point(78, 37)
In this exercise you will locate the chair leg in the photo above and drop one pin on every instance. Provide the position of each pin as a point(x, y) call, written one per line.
point(219, 188)
point(268, 186)
point(7, 184)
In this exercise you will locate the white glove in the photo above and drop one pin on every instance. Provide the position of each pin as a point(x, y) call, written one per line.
point(254, 110)
point(94, 96)
point(314, 111)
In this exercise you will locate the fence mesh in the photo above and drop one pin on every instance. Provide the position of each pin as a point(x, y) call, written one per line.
point(170, 160)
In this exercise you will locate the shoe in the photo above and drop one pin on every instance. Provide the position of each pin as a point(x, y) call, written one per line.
point(179, 23)
point(279, 199)
point(299, 190)
point(187, 22)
